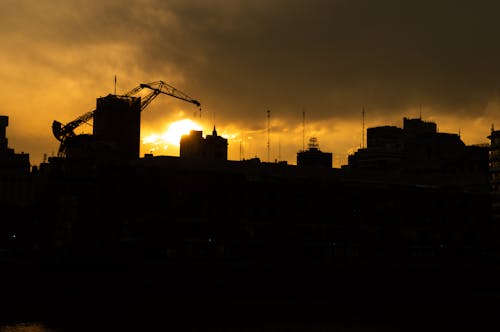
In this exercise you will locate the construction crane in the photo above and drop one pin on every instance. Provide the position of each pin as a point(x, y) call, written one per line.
point(64, 132)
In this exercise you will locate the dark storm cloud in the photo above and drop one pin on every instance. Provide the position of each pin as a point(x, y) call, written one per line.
point(330, 56)
point(336, 56)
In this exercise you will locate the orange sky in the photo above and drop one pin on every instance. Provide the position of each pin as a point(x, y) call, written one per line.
point(331, 58)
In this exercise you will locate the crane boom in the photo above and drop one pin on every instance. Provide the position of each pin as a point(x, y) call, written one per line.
point(62, 132)
point(164, 88)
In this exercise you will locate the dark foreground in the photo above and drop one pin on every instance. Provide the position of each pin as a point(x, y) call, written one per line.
point(141, 297)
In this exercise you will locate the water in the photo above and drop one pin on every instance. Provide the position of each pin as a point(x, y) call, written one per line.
point(26, 327)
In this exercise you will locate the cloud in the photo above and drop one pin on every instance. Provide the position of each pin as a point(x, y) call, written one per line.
point(241, 58)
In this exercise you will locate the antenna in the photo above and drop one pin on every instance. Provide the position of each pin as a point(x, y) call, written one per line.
point(279, 148)
point(420, 114)
point(240, 149)
point(363, 129)
point(303, 129)
point(115, 84)
point(268, 134)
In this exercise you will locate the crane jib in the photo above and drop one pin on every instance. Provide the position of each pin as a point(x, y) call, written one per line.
point(61, 132)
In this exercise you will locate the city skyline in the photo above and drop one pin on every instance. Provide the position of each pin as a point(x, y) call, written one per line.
point(131, 225)
point(330, 59)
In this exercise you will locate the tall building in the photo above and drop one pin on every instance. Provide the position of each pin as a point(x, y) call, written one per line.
point(4, 123)
point(117, 126)
point(212, 147)
point(15, 184)
point(11, 162)
point(313, 156)
point(495, 160)
point(495, 172)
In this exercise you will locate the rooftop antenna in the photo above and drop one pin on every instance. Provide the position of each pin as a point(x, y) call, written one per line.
point(268, 134)
point(420, 113)
point(115, 84)
point(279, 148)
point(313, 143)
point(363, 129)
point(303, 129)
point(241, 151)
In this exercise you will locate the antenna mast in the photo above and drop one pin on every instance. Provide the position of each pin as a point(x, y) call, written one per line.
point(268, 135)
point(240, 150)
point(279, 148)
point(303, 130)
point(363, 130)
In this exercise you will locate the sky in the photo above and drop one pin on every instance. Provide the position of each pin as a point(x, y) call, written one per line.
point(330, 59)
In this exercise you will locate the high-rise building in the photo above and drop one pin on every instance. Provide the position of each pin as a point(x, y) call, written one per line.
point(117, 126)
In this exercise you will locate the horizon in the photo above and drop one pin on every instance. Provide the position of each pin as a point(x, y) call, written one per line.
point(331, 59)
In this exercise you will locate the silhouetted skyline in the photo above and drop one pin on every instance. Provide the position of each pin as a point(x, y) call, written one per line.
point(409, 219)
point(329, 58)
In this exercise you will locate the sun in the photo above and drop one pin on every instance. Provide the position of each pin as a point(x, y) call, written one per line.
point(177, 129)
point(172, 136)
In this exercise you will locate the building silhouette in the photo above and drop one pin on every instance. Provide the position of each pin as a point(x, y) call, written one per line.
point(11, 162)
point(495, 160)
point(117, 125)
point(421, 154)
point(495, 172)
point(17, 194)
point(212, 147)
point(116, 136)
point(313, 156)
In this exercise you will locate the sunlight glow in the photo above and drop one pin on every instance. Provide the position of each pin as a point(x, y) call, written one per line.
point(172, 136)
